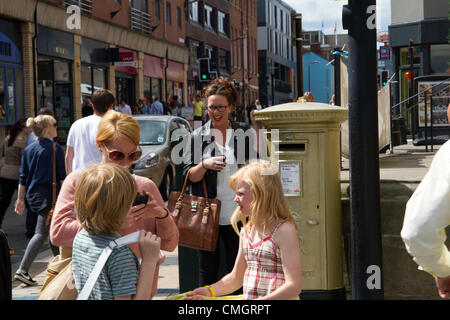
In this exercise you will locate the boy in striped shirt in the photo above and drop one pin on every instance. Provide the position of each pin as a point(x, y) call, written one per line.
point(103, 198)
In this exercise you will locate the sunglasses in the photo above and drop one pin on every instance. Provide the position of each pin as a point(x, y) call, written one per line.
point(221, 109)
point(116, 155)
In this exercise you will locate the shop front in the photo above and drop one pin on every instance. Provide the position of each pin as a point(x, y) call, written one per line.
point(12, 105)
point(55, 57)
point(153, 75)
point(175, 79)
point(126, 71)
point(94, 67)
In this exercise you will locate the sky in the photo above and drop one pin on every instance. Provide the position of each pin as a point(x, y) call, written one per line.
point(330, 12)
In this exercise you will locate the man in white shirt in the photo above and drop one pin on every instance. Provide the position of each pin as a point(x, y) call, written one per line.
point(81, 149)
point(426, 217)
point(124, 108)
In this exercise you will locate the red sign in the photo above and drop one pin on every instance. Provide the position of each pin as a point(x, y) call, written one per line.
point(126, 56)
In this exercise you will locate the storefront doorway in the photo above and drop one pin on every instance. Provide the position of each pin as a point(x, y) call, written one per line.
point(55, 93)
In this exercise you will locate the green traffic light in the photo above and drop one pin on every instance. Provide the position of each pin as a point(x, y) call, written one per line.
point(384, 84)
point(204, 76)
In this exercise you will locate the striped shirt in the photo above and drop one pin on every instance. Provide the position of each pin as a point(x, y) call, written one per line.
point(119, 275)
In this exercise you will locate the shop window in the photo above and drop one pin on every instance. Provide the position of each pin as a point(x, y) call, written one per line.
point(99, 78)
point(405, 56)
point(62, 71)
point(11, 94)
point(440, 56)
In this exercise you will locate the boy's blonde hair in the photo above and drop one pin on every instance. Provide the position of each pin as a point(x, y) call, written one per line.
point(118, 125)
point(103, 197)
point(269, 203)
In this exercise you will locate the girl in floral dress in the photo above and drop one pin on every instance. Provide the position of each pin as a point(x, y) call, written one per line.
point(268, 265)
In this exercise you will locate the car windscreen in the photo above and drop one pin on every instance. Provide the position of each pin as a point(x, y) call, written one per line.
point(152, 132)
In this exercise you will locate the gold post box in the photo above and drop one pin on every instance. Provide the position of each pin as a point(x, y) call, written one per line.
point(304, 138)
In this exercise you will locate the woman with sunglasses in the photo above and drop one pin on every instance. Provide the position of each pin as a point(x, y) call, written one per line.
point(118, 140)
point(36, 185)
point(220, 157)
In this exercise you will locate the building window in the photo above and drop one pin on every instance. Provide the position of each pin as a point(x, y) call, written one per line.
point(157, 9)
point(208, 16)
point(221, 22)
point(223, 63)
point(140, 5)
point(179, 17)
point(168, 13)
point(193, 11)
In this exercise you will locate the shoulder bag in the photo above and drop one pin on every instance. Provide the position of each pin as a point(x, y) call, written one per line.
point(48, 220)
point(197, 218)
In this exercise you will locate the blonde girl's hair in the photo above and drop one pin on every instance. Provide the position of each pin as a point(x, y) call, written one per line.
point(118, 125)
point(103, 197)
point(269, 203)
point(40, 123)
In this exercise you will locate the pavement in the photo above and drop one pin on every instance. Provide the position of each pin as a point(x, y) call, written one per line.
point(406, 163)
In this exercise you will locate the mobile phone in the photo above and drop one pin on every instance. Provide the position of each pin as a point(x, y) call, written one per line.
point(140, 198)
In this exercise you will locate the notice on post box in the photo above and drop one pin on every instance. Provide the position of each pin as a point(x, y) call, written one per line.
point(290, 178)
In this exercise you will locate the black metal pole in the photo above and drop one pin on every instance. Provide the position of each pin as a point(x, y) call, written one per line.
point(299, 45)
point(366, 251)
point(35, 48)
point(426, 122)
point(414, 113)
point(337, 77)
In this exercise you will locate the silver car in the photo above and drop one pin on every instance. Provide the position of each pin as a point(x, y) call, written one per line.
point(156, 162)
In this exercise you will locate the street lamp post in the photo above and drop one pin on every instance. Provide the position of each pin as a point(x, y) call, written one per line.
point(309, 73)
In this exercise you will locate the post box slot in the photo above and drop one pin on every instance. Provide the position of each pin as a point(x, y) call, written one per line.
point(293, 147)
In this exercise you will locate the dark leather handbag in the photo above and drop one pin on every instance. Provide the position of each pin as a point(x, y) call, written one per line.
point(49, 218)
point(197, 218)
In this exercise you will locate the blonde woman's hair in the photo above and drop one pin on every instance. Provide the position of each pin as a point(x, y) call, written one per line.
point(103, 197)
point(40, 123)
point(269, 203)
point(118, 125)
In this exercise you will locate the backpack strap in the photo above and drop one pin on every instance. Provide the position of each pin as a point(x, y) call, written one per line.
point(95, 273)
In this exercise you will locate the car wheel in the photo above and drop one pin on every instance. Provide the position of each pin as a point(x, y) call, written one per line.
point(166, 185)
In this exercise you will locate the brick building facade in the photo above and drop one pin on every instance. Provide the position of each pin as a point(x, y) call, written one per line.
point(70, 64)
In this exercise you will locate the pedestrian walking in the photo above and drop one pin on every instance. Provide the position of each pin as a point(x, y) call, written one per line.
point(118, 140)
point(86, 109)
point(124, 107)
point(35, 184)
point(268, 265)
point(198, 108)
point(156, 107)
point(81, 150)
point(217, 162)
point(11, 151)
point(103, 198)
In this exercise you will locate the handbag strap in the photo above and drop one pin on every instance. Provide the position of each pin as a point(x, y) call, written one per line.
point(183, 190)
point(54, 176)
point(95, 273)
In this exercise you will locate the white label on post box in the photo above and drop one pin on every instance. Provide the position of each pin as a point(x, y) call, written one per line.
point(290, 178)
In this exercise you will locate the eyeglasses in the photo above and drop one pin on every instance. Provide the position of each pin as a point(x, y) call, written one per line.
point(116, 155)
point(221, 109)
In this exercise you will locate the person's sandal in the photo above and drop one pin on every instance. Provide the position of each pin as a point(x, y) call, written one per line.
point(25, 278)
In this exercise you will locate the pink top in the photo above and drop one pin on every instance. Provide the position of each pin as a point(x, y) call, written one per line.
point(264, 273)
point(65, 226)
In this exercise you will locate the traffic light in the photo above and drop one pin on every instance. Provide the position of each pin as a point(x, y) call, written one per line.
point(204, 69)
point(384, 78)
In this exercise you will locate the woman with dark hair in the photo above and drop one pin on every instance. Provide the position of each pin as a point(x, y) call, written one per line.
point(12, 149)
point(219, 157)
